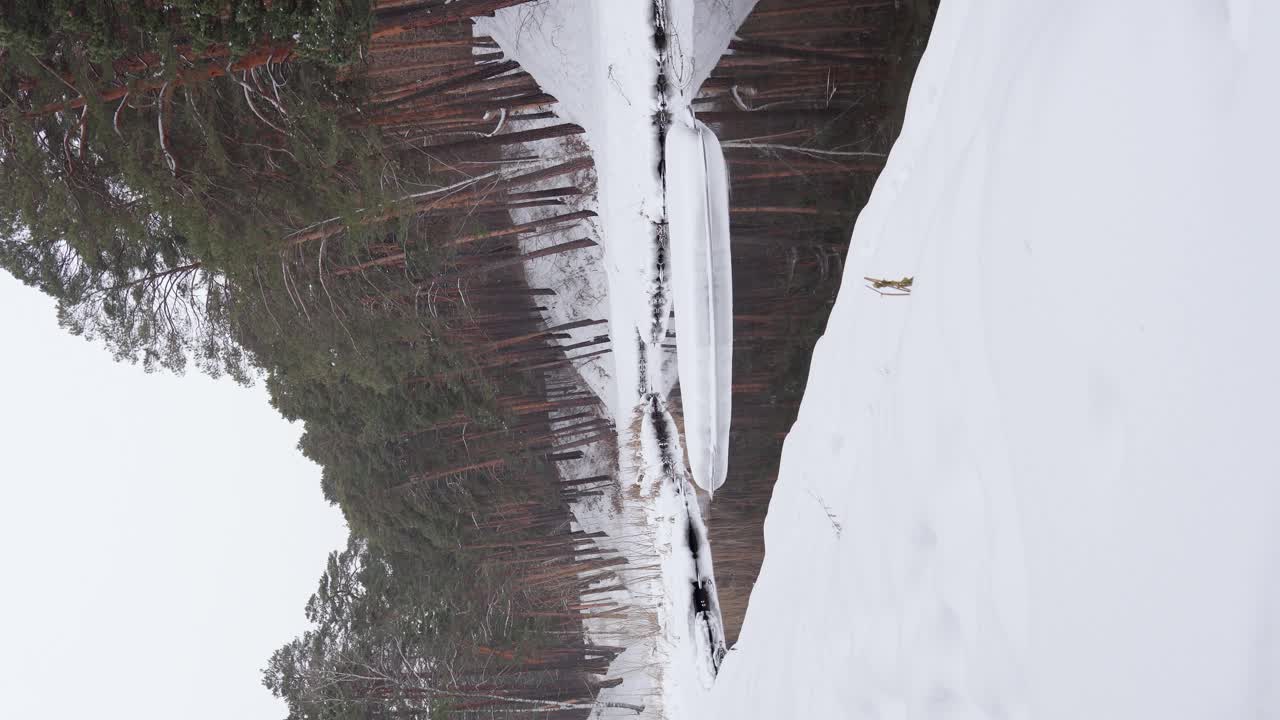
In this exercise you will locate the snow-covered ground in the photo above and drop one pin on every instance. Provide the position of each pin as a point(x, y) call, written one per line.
point(608, 65)
point(1046, 484)
point(582, 293)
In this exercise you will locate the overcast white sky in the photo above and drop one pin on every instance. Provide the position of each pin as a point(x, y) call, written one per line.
point(160, 534)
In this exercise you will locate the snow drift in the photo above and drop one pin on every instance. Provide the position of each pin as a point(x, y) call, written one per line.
point(1045, 484)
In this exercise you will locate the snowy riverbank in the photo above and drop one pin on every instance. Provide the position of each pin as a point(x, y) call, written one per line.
point(626, 73)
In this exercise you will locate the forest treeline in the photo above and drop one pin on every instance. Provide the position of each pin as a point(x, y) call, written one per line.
point(306, 193)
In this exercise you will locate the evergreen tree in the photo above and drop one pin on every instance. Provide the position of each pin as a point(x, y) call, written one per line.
point(149, 216)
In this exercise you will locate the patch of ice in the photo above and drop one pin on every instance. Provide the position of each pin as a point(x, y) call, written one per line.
point(702, 285)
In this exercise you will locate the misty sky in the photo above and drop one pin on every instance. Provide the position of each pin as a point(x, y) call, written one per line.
point(160, 534)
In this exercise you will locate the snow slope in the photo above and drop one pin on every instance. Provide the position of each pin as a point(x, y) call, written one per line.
point(1046, 484)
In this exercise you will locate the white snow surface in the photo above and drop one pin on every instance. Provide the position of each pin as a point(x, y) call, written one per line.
point(706, 26)
point(702, 290)
point(1046, 483)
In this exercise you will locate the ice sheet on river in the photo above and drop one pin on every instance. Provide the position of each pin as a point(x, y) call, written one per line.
point(702, 287)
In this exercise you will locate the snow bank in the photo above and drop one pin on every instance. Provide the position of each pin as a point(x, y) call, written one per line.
point(1046, 483)
point(702, 287)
